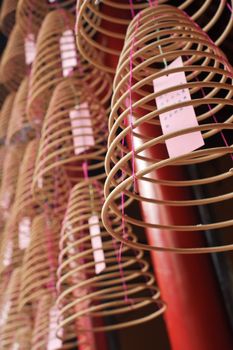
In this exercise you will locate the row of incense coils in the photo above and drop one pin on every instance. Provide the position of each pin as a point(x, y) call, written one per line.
point(62, 268)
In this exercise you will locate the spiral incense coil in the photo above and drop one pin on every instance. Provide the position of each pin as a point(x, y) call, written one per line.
point(11, 250)
point(11, 319)
point(74, 131)
point(102, 27)
point(11, 167)
point(13, 68)
point(57, 58)
point(164, 36)
point(91, 281)
point(45, 327)
point(31, 13)
point(22, 339)
point(19, 129)
point(7, 16)
point(40, 261)
point(5, 115)
point(3, 93)
point(25, 204)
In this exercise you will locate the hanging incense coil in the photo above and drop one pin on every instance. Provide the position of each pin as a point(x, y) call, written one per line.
point(3, 93)
point(166, 35)
point(25, 205)
point(74, 132)
point(31, 13)
point(11, 167)
point(11, 319)
point(19, 129)
point(102, 27)
point(7, 16)
point(45, 327)
point(56, 59)
point(13, 67)
point(91, 281)
point(12, 247)
point(5, 115)
point(40, 261)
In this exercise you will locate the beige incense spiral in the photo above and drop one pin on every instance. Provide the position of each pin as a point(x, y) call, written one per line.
point(31, 13)
point(10, 173)
point(13, 67)
point(40, 261)
point(102, 27)
point(56, 59)
point(25, 205)
point(5, 115)
point(167, 36)
point(7, 16)
point(74, 132)
point(12, 247)
point(45, 327)
point(11, 319)
point(19, 129)
point(93, 281)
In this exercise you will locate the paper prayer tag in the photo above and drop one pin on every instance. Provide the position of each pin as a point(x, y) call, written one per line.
point(54, 342)
point(97, 244)
point(180, 118)
point(24, 232)
point(30, 48)
point(68, 52)
point(83, 136)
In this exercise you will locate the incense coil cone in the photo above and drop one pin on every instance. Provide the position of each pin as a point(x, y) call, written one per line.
point(98, 26)
point(5, 116)
point(11, 254)
point(31, 13)
point(74, 131)
point(7, 16)
point(91, 280)
point(3, 93)
point(2, 157)
point(44, 327)
point(11, 167)
point(13, 67)
point(50, 67)
point(163, 36)
point(12, 319)
point(19, 129)
point(25, 203)
point(40, 261)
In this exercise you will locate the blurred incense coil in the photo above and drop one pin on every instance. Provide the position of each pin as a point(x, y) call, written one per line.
point(11, 319)
point(31, 13)
point(74, 132)
point(93, 281)
point(19, 129)
point(2, 157)
point(11, 167)
point(11, 250)
point(45, 327)
point(25, 205)
point(5, 115)
point(40, 261)
point(56, 59)
point(102, 27)
point(13, 67)
point(165, 35)
point(3, 93)
point(7, 16)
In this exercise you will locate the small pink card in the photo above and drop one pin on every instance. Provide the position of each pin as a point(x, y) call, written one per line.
point(83, 136)
point(24, 232)
point(180, 118)
point(68, 52)
point(97, 245)
point(54, 342)
point(30, 48)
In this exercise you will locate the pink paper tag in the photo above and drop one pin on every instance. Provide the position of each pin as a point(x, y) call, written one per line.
point(8, 253)
point(54, 342)
point(180, 118)
point(68, 52)
point(24, 232)
point(97, 245)
point(30, 48)
point(83, 136)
